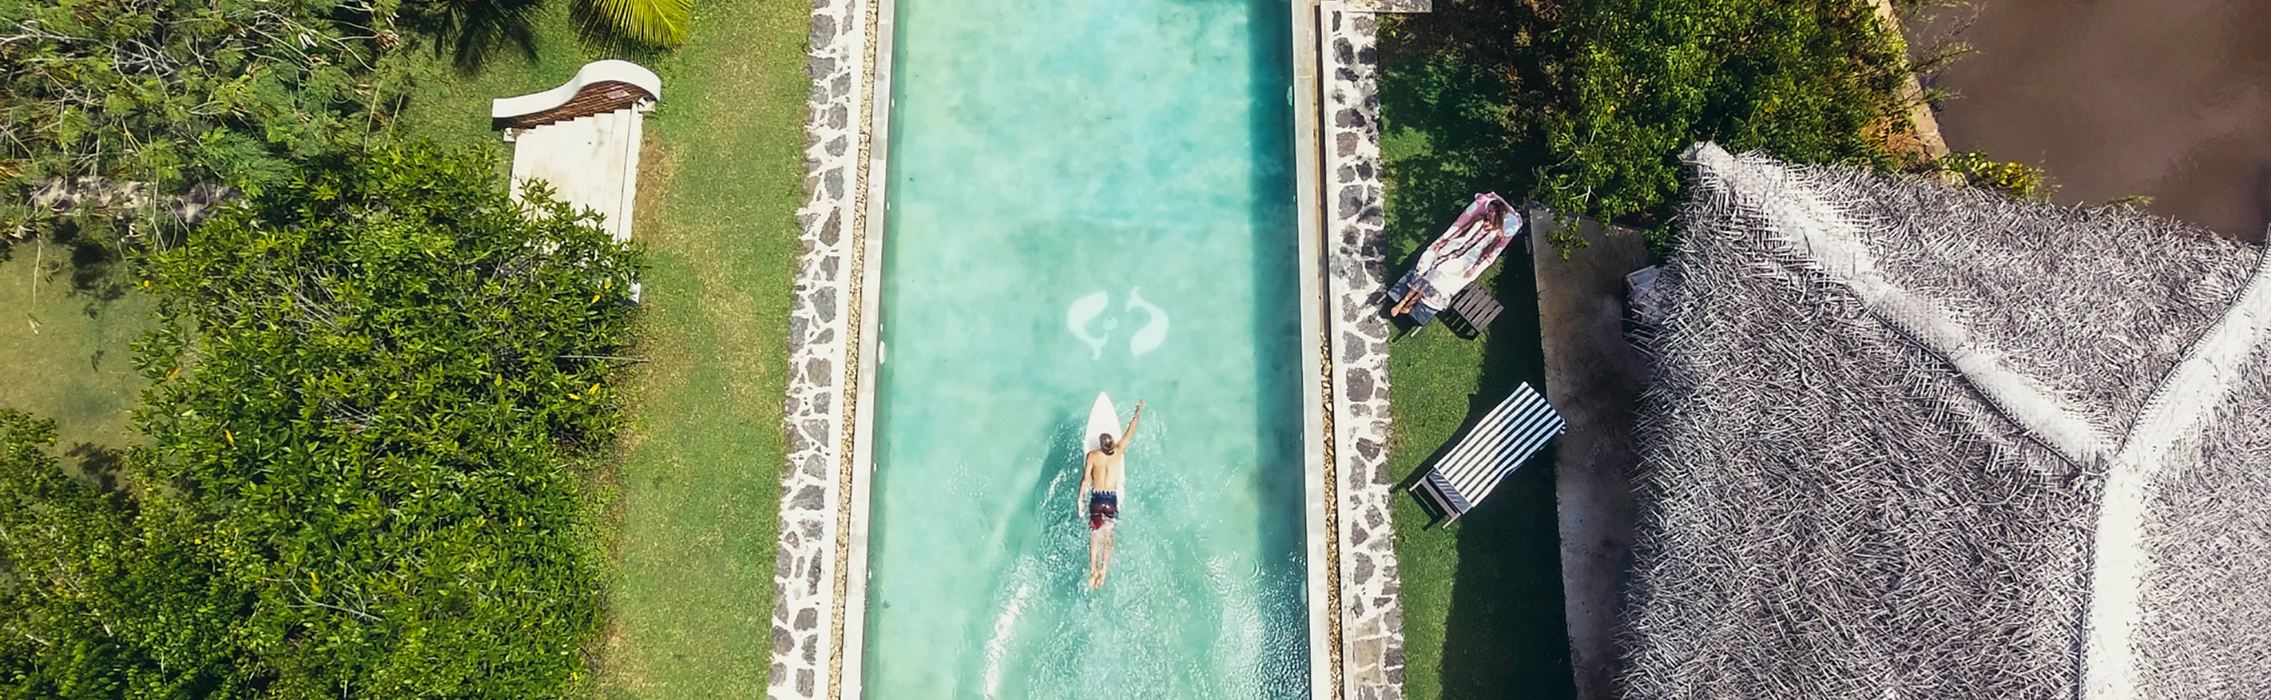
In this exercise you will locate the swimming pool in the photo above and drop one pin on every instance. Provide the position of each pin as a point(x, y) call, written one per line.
point(1088, 195)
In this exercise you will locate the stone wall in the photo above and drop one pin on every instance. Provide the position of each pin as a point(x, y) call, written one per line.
point(807, 603)
point(1371, 632)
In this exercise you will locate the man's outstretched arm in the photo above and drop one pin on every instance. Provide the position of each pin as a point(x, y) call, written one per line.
point(1127, 436)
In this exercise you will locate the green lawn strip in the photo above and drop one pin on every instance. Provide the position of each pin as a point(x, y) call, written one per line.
point(1481, 598)
point(702, 480)
point(71, 313)
point(696, 501)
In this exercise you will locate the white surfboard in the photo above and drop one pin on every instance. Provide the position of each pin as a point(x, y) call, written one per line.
point(1102, 420)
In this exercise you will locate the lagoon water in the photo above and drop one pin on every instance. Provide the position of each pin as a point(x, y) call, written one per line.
point(1088, 195)
point(2165, 98)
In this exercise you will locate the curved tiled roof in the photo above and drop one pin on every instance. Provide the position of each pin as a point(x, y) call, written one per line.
point(599, 87)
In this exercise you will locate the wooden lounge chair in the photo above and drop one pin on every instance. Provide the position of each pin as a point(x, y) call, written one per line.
point(1508, 436)
point(1472, 311)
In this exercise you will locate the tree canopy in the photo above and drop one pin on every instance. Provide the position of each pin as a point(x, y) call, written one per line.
point(173, 93)
point(1812, 81)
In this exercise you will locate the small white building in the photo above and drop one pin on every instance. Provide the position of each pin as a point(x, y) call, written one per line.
point(583, 138)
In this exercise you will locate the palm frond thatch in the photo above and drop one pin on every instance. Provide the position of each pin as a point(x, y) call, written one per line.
point(1833, 508)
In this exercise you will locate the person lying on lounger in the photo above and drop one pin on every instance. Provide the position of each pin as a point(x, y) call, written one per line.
point(1100, 481)
point(1454, 258)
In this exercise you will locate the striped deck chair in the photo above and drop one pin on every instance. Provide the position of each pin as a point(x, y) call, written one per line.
point(1506, 437)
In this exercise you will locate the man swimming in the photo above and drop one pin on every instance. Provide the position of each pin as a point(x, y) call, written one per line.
point(1100, 481)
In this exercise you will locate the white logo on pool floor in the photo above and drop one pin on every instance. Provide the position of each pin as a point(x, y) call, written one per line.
point(1085, 310)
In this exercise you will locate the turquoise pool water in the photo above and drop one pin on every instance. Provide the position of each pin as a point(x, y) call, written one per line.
point(1088, 195)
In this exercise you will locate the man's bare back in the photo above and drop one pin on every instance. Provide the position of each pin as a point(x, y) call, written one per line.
point(1106, 469)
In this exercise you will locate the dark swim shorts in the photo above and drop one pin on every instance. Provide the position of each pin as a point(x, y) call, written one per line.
point(1102, 505)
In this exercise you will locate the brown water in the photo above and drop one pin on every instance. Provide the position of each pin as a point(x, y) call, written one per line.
point(2165, 98)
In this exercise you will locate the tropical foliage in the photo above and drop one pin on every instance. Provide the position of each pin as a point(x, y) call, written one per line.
point(136, 101)
point(1814, 81)
point(652, 22)
point(472, 31)
point(374, 409)
point(1585, 105)
point(178, 92)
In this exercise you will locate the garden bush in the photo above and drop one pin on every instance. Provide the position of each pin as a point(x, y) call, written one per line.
point(378, 398)
point(1811, 81)
point(1585, 105)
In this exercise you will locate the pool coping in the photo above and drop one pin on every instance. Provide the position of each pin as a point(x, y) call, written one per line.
point(821, 574)
point(1365, 613)
point(1319, 589)
point(872, 354)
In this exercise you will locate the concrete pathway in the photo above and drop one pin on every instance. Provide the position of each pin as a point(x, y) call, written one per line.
point(1594, 378)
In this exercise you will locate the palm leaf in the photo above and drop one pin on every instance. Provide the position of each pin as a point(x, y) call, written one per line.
point(652, 22)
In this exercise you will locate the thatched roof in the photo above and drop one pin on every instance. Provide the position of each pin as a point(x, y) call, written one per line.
point(1905, 440)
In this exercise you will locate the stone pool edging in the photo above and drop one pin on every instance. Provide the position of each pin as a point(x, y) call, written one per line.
point(820, 487)
point(1361, 559)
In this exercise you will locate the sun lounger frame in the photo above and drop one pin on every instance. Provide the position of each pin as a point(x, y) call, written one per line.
point(1499, 444)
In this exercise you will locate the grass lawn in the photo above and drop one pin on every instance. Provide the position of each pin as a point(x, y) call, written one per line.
point(1482, 598)
point(722, 174)
point(70, 313)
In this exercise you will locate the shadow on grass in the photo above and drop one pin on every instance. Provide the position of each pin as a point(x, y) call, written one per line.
point(1456, 85)
point(96, 465)
point(1505, 634)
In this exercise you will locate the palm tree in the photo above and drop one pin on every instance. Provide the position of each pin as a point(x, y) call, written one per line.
point(475, 30)
point(651, 22)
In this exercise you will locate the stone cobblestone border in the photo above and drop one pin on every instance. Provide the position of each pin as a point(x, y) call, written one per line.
point(1362, 557)
point(820, 485)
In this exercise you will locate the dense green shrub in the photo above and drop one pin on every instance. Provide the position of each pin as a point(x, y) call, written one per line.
point(375, 405)
point(1585, 105)
point(101, 595)
point(1812, 81)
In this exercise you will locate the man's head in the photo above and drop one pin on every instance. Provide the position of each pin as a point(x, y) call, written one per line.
point(1105, 439)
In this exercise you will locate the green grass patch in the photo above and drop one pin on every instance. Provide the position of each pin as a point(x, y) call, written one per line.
point(1482, 597)
point(723, 175)
point(70, 313)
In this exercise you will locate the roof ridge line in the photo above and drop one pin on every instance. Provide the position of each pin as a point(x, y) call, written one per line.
point(1829, 247)
point(2176, 412)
